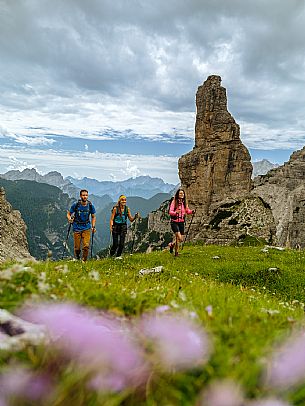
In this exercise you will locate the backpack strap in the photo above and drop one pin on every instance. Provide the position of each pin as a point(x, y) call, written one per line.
point(117, 214)
point(77, 217)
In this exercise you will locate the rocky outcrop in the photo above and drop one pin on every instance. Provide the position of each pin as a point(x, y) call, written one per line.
point(216, 176)
point(13, 241)
point(219, 167)
point(150, 233)
point(240, 221)
point(283, 189)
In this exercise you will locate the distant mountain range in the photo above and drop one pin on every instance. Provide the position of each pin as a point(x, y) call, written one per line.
point(262, 167)
point(142, 186)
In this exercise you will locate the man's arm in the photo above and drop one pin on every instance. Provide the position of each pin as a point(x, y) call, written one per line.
point(70, 214)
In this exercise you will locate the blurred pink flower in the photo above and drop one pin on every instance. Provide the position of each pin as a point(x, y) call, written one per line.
point(223, 393)
point(96, 342)
point(20, 382)
point(268, 402)
point(209, 310)
point(287, 365)
point(178, 341)
point(109, 382)
point(162, 308)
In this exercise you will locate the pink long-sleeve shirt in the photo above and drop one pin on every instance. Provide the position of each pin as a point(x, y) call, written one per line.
point(179, 217)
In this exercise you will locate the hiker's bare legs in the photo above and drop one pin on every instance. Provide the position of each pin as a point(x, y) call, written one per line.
point(178, 240)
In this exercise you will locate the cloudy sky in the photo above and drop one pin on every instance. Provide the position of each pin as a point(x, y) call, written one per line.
point(106, 89)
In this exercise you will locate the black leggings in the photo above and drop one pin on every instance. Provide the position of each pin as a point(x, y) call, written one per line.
point(118, 237)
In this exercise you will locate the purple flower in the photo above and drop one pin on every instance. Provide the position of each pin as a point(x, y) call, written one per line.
point(268, 402)
point(96, 342)
point(177, 341)
point(225, 393)
point(287, 365)
point(162, 309)
point(109, 382)
point(209, 310)
point(23, 383)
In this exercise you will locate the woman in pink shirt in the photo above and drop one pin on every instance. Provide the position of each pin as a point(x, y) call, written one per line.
point(178, 209)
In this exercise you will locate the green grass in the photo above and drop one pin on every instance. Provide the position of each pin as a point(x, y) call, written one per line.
point(239, 286)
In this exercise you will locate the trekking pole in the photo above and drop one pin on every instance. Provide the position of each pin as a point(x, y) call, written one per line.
point(109, 245)
point(66, 242)
point(187, 233)
point(92, 239)
point(134, 236)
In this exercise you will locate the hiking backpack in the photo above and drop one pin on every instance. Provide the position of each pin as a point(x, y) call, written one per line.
point(77, 215)
point(117, 214)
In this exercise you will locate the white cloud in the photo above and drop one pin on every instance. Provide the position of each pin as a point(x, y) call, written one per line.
point(3, 132)
point(131, 170)
point(101, 166)
point(18, 164)
point(32, 141)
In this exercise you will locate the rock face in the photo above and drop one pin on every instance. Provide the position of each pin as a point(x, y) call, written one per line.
point(152, 232)
point(283, 189)
point(219, 167)
point(216, 176)
point(13, 241)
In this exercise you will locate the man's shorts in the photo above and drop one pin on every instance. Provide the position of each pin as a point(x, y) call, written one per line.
point(178, 227)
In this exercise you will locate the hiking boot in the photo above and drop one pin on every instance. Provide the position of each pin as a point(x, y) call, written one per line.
point(171, 247)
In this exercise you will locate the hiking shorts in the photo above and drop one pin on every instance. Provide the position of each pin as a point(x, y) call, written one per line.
point(178, 227)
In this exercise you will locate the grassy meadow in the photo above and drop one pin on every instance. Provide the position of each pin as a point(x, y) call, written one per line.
point(248, 300)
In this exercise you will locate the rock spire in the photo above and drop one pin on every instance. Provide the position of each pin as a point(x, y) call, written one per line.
point(219, 166)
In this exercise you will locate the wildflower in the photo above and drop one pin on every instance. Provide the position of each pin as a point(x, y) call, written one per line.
point(162, 309)
point(97, 343)
point(8, 273)
point(94, 275)
point(23, 383)
point(182, 296)
point(209, 310)
point(43, 287)
point(177, 341)
point(223, 393)
point(287, 365)
point(269, 402)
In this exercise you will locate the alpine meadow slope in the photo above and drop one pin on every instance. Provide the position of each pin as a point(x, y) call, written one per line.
point(239, 304)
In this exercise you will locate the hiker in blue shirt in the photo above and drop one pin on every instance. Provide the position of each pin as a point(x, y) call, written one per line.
point(79, 216)
point(118, 225)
